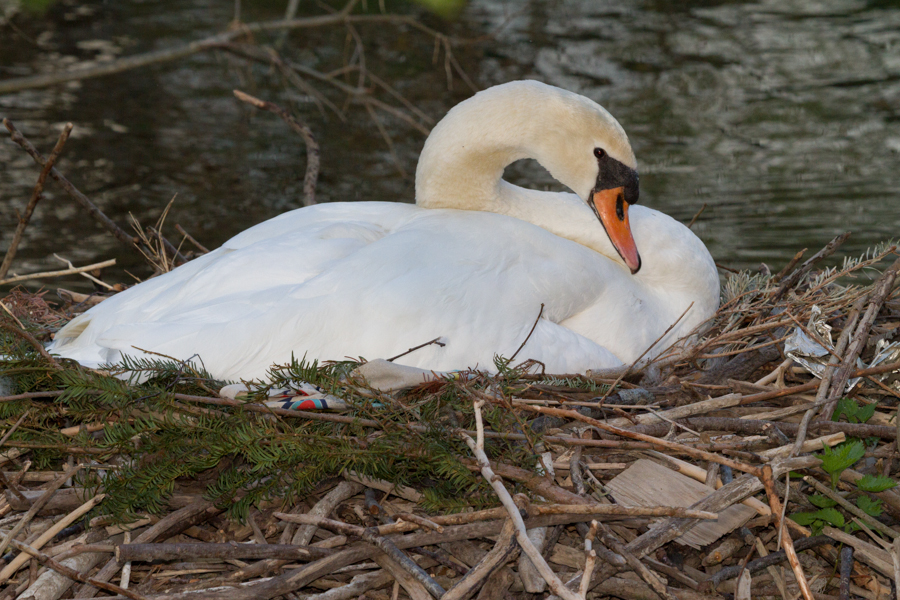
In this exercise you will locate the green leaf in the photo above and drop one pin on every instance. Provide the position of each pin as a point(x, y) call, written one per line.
point(825, 515)
point(836, 460)
point(865, 412)
point(875, 483)
point(822, 501)
point(871, 506)
point(805, 518)
point(847, 407)
point(831, 516)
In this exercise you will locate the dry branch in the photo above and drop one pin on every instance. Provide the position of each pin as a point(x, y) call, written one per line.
point(161, 56)
point(25, 217)
point(60, 273)
point(312, 147)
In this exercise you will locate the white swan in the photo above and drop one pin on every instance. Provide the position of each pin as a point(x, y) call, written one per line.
point(471, 263)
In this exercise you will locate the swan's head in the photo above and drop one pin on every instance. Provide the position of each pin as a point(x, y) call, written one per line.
point(573, 137)
point(587, 150)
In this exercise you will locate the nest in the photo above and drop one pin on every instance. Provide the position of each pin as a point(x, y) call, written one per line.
point(739, 462)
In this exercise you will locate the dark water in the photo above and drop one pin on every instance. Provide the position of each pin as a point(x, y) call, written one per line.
point(781, 116)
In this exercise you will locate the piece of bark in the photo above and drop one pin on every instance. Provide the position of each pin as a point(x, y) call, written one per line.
point(729, 494)
point(465, 551)
point(647, 481)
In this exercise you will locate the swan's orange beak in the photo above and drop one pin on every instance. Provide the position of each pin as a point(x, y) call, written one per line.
point(612, 210)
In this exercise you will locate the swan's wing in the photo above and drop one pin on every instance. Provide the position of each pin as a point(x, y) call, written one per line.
point(287, 250)
point(374, 289)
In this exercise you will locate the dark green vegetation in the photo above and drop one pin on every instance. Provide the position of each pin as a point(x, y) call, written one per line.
point(156, 441)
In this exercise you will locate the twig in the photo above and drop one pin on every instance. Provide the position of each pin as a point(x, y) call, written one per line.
point(846, 572)
point(31, 340)
point(527, 337)
point(764, 562)
point(872, 555)
point(696, 216)
point(609, 539)
point(895, 557)
point(151, 552)
point(436, 341)
point(372, 535)
point(16, 563)
point(84, 274)
point(501, 553)
point(367, 103)
point(125, 578)
point(795, 277)
point(73, 574)
point(788, 267)
point(159, 56)
point(12, 316)
point(303, 535)
point(644, 353)
point(575, 471)
point(825, 385)
point(11, 430)
point(172, 524)
point(556, 585)
point(92, 209)
point(420, 521)
point(571, 414)
point(73, 271)
point(189, 238)
point(312, 147)
point(851, 508)
point(590, 559)
point(883, 287)
point(165, 245)
point(786, 541)
point(754, 427)
point(36, 195)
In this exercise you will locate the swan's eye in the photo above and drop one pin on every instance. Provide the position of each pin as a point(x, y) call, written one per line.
point(599, 152)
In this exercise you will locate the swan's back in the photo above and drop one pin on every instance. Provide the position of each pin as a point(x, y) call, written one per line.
point(371, 285)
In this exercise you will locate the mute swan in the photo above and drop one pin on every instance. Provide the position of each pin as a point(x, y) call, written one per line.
point(471, 262)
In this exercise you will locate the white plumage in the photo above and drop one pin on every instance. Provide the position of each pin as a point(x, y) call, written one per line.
point(471, 263)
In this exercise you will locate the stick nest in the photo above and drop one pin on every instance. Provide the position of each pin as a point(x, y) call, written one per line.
point(390, 494)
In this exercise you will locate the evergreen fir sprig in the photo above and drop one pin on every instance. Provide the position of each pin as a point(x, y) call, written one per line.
point(157, 445)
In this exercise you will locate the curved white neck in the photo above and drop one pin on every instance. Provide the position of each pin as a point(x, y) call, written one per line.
point(462, 163)
point(468, 150)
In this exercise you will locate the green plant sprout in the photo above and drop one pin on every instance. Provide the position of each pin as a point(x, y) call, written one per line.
point(850, 408)
point(834, 462)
